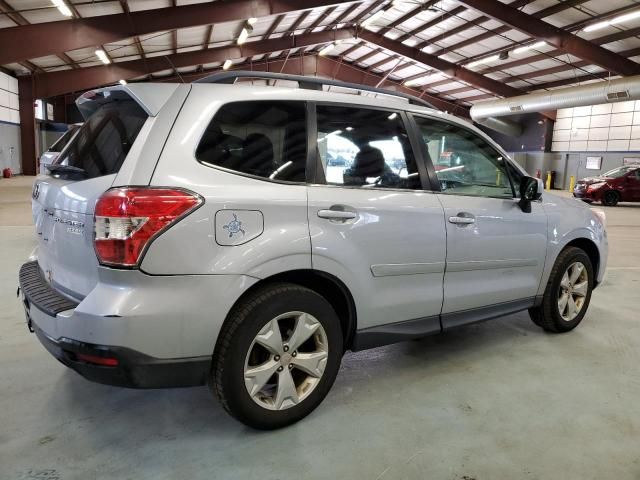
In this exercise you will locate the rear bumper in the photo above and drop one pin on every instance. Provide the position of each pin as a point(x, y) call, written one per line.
point(133, 370)
point(158, 331)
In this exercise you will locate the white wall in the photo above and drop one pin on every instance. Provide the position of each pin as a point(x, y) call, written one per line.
point(9, 124)
point(9, 110)
point(613, 127)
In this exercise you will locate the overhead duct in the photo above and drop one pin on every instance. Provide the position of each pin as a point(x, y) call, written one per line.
point(620, 90)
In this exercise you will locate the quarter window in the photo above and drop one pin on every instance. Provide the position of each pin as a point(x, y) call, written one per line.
point(367, 148)
point(465, 163)
point(266, 139)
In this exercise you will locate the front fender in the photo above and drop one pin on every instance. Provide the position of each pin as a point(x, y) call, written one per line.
point(570, 220)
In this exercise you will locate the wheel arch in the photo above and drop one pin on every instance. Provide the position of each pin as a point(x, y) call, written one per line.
point(590, 248)
point(323, 283)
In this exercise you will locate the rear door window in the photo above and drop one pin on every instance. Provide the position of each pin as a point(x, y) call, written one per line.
point(367, 148)
point(266, 139)
point(106, 137)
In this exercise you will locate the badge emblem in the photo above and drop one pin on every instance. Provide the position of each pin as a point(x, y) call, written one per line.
point(36, 191)
point(234, 226)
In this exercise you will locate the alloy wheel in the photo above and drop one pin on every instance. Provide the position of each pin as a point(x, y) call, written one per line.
point(573, 291)
point(286, 360)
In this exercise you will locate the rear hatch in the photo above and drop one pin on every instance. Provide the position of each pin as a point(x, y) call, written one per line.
point(64, 200)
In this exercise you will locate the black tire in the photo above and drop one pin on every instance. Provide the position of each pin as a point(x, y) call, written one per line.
point(610, 198)
point(547, 314)
point(235, 339)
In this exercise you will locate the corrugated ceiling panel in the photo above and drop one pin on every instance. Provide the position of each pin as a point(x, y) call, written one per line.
point(37, 11)
point(136, 5)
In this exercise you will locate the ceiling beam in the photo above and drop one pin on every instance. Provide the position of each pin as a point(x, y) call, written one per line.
point(613, 37)
point(545, 12)
point(450, 69)
point(56, 83)
point(38, 40)
point(316, 65)
point(555, 36)
point(554, 9)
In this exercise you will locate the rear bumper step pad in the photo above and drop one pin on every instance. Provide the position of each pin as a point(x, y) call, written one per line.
point(39, 293)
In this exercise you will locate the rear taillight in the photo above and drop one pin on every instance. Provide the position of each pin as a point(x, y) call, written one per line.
point(128, 219)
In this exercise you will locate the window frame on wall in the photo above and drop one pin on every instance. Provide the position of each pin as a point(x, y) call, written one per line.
point(414, 144)
point(308, 123)
point(508, 164)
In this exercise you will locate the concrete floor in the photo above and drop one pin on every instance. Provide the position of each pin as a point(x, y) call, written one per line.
point(499, 400)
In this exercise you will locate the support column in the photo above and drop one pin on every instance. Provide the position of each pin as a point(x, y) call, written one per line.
point(29, 159)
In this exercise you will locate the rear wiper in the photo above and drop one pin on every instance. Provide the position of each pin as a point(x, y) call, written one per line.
point(56, 168)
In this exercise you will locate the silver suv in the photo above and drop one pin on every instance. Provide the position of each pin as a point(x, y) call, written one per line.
point(246, 236)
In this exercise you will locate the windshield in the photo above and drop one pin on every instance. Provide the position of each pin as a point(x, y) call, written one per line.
point(103, 142)
point(618, 172)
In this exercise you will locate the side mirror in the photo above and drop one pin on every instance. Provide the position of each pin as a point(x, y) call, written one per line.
point(529, 191)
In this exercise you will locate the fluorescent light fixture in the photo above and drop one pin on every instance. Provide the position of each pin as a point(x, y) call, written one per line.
point(102, 56)
point(227, 64)
point(122, 82)
point(62, 7)
point(244, 34)
point(490, 59)
point(327, 49)
point(597, 26)
point(393, 116)
point(614, 21)
point(526, 48)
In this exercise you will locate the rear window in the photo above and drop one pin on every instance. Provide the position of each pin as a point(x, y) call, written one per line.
point(63, 140)
point(264, 139)
point(113, 122)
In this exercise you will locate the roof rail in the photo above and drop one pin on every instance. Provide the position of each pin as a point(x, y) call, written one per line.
point(309, 83)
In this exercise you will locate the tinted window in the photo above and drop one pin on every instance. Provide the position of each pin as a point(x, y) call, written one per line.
point(464, 162)
point(618, 172)
point(266, 139)
point(360, 147)
point(105, 139)
point(63, 140)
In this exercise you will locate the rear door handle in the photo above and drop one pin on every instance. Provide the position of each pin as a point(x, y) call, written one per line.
point(459, 220)
point(337, 214)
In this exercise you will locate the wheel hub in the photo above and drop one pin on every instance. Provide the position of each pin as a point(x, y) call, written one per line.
point(574, 287)
point(286, 360)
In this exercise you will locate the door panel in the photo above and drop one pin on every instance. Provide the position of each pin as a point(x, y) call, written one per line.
point(391, 255)
point(497, 258)
point(373, 226)
point(495, 251)
point(632, 186)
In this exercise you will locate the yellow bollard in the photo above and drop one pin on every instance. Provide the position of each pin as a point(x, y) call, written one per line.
point(572, 183)
point(547, 184)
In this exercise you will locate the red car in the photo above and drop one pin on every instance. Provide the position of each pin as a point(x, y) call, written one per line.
point(621, 184)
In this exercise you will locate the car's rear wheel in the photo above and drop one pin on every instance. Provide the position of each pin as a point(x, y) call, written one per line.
point(277, 356)
point(568, 292)
point(610, 198)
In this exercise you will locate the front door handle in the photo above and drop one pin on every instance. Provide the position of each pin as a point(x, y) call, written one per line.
point(461, 220)
point(337, 214)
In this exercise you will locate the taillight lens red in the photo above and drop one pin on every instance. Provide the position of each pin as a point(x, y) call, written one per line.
point(127, 220)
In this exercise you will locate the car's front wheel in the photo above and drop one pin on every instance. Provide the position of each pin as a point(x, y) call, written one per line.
point(568, 292)
point(277, 356)
point(610, 198)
